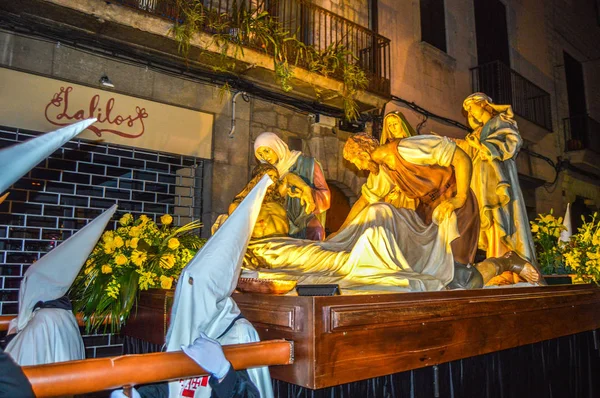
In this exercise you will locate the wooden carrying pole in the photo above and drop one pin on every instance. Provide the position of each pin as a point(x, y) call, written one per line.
point(5, 321)
point(81, 377)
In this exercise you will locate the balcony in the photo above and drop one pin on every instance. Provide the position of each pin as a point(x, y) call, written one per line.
point(313, 26)
point(582, 142)
point(581, 132)
point(141, 30)
point(506, 86)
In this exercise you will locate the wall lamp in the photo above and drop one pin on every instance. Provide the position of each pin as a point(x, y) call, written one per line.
point(105, 81)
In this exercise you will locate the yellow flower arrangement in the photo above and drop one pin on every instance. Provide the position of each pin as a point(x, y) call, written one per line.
point(138, 255)
point(582, 252)
point(546, 230)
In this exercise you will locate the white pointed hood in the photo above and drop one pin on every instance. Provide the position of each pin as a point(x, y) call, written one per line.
point(52, 275)
point(565, 235)
point(203, 300)
point(17, 160)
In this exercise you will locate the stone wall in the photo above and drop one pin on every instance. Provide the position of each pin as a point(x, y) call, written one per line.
point(423, 74)
point(575, 30)
point(356, 11)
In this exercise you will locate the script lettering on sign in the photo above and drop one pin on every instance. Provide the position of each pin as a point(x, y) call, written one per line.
point(58, 113)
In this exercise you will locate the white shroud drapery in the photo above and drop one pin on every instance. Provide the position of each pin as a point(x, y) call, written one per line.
point(384, 248)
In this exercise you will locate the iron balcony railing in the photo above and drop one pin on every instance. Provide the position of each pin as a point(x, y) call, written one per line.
point(312, 25)
point(506, 86)
point(582, 132)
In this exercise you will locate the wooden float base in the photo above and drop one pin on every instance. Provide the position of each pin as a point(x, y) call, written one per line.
point(342, 339)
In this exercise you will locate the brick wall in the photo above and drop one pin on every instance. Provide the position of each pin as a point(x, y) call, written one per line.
point(74, 185)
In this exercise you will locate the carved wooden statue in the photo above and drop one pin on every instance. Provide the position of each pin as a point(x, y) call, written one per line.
point(493, 146)
point(306, 206)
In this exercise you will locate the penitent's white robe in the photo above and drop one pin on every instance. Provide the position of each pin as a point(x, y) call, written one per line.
point(383, 248)
point(52, 335)
point(242, 332)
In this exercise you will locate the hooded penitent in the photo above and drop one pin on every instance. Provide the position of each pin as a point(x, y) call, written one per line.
point(203, 300)
point(52, 335)
point(565, 235)
point(17, 160)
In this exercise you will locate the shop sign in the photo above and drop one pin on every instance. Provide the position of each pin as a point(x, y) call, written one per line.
point(42, 104)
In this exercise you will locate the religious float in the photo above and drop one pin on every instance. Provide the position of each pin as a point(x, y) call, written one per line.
point(395, 302)
point(418, 311)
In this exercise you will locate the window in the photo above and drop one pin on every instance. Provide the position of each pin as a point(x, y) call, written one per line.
point(433, 23)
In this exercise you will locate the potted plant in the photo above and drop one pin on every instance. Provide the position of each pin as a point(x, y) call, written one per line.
point(546, 231)
point(138, 255)
point(582, 252)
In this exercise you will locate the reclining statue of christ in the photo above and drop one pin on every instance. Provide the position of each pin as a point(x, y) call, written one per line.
point(382, 248)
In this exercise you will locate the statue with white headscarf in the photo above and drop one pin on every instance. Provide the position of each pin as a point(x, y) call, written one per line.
point(493, 146)
point(303, 182)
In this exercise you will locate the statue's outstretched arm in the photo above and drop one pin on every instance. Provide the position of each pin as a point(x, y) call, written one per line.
point(463, 170)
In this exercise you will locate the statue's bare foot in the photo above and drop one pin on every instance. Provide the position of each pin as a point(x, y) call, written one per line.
point(524, 268)
point(530, 274)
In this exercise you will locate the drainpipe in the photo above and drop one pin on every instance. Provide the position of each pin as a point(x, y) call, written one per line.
point(232, 131)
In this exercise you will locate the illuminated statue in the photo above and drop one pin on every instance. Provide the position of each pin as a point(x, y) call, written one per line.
point(381, 185)
point(306, 207)
point(426, 168)
point(493, 146)
point(272, 219)
point(395, 127)
point(383, 248)
point(375, 251)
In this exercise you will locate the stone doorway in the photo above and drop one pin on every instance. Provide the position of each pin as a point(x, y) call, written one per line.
point(342, 199)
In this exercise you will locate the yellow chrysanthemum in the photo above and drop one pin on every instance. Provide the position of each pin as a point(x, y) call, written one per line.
point(126, 219)
point(166, 282)
point(144, 219)
point(135, 232)
point(109, 249)
point(173, 243)
point(167, 261)
point(166, 219)
point(108, 236)
point(138, 257)
point(118, 242)
point(121, 259)
point(133, 243)
point(106, 269)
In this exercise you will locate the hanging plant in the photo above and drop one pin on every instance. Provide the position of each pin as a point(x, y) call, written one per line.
point(259, 30)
